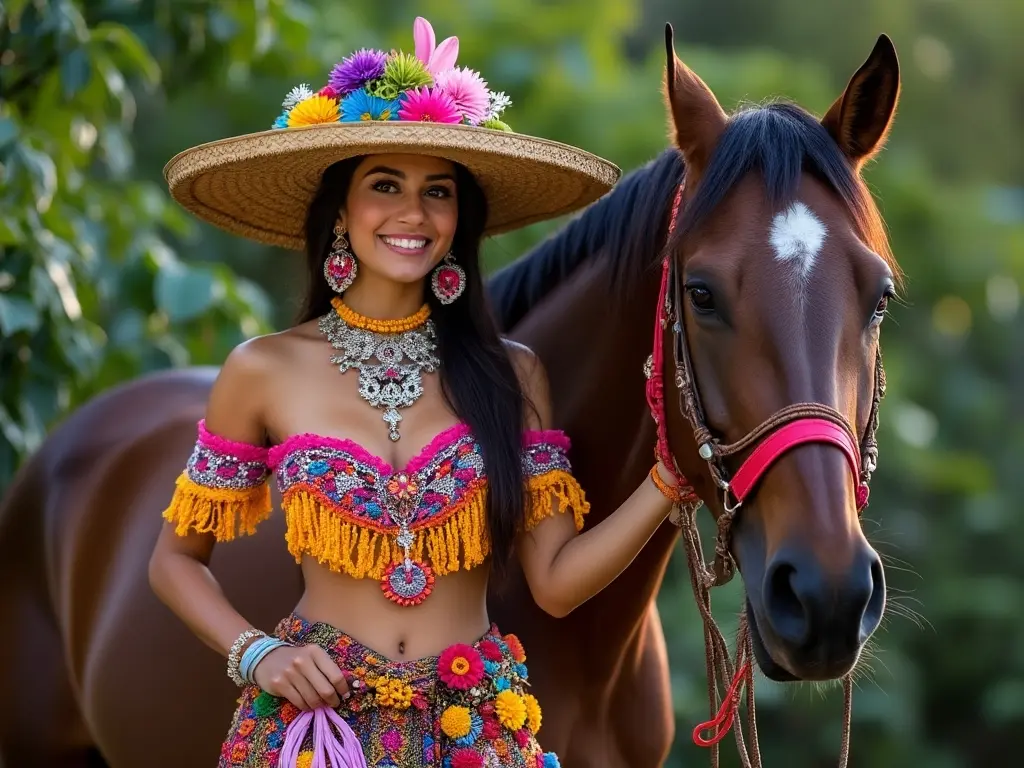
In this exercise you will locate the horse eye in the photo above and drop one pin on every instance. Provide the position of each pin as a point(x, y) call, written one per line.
point(701, 299)
point(883, 305)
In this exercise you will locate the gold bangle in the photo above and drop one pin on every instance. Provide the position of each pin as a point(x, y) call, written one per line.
point(670, 492)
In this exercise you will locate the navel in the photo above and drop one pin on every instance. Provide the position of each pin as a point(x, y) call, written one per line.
point(401, 648)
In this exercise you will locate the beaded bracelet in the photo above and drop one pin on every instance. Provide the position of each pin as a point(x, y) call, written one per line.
point(670, 492)
point(235, 652)
point(255, 653)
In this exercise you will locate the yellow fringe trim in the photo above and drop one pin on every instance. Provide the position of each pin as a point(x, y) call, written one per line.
point(320, 531)
point(461, 541)
point(543, 491)
point(224, 512)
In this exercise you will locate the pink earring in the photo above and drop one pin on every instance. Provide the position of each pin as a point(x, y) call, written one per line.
point(448, 280)
point(340, 267)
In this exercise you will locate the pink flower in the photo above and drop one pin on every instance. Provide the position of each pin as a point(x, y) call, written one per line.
point(492, 729)
point(391, 740)
point(467, 758)
point(490, 650)
point(460, 667)
point(468, 90)
point(428, 105)
point(522, 738)
point(437, 58)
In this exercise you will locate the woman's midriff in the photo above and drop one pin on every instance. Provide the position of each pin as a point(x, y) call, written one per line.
point(455, 611)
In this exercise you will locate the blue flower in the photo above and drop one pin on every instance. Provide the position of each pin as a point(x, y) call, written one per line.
point(491, 668)
point(551, 760)
point(502, 684)
point(521, 671)
point(373, 509)
point(281, 122)
point(476, 727)
point(359, 105)
point(317, 468)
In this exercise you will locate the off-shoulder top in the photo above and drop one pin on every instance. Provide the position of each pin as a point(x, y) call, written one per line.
point(333, 497)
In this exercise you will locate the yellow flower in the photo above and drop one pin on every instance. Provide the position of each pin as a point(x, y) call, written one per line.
point(456, 722)
point(393, 693)
point(314, 110)
point(510, 709)
point(533, 715)
point(304, 760)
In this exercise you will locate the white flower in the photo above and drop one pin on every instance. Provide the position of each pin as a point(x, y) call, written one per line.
point(297, 94)
point(498, 102)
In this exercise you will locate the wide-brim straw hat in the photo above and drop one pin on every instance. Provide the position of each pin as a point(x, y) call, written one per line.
point(260, 185)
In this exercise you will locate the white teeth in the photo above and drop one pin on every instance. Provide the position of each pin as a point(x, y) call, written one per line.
point(401, 242)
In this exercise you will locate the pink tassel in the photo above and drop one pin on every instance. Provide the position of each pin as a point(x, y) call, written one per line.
point(343, 750)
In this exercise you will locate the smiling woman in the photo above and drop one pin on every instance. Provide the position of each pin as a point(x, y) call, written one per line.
point(389, 177)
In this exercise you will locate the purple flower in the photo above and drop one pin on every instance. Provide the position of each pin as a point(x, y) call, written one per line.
point(353, 73)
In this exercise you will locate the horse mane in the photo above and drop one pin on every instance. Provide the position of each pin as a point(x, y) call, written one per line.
point(780, 140)
point(612, 228)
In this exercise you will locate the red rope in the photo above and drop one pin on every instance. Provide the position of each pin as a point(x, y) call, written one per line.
point(722, 722)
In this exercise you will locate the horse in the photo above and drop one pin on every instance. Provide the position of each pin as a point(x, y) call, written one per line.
point(783, 272)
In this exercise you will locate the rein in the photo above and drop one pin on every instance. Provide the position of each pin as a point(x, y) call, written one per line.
point(784, 430)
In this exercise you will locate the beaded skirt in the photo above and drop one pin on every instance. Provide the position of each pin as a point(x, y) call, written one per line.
point(466, 708)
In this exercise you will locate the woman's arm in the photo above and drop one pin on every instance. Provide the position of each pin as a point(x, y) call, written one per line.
point(563, 568)
point(179, 570)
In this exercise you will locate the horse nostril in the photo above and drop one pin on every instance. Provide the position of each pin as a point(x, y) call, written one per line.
point(786, 611)
point(876, 601)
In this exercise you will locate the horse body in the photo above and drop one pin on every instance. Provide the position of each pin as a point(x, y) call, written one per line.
point(98, 671)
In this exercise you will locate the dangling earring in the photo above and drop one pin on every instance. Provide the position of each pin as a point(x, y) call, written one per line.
point(340, 267)
point(448, 280)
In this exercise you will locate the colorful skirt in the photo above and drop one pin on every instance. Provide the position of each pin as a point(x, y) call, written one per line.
point(467, 708)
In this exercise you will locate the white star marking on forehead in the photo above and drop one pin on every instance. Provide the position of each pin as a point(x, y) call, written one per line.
point(797, 236)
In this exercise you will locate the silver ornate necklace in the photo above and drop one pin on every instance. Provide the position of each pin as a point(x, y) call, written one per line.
point(390, 355)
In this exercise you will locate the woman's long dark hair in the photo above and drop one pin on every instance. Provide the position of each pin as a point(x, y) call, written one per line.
point(478, 379)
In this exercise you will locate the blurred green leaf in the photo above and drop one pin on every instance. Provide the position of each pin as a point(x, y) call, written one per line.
point(131, 47)
point(74, 71)
point(18, 314)
point(8, 131)
point(184, 292)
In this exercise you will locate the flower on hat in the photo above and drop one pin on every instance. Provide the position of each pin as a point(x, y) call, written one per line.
point(352, 73)
point(496, 125)
point(402, 72)
point(468, 90)
point(313, 111)
point(436, 58)
point(428, 105)
point(497, 102)
point(359, 105)
point(295, 95)
point(460, 667)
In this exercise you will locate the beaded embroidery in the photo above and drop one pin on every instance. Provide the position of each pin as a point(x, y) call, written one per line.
point(333, 496)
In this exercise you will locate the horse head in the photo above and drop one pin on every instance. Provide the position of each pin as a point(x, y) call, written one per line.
point(782, 274)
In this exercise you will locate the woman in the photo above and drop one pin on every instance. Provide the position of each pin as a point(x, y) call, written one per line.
point(427, 463)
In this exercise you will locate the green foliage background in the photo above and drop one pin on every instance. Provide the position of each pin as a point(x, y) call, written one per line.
point(102, 278)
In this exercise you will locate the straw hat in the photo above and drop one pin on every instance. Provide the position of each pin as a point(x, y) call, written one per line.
point(260, 185)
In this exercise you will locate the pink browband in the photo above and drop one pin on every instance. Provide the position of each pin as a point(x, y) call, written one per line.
point(785, 439)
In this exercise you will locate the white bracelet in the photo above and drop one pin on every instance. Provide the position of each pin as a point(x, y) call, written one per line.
point(234, 655)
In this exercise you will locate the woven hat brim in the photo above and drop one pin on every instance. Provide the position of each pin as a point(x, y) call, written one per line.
point(260, 185)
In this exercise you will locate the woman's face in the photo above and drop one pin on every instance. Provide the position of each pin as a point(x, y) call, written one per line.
point(401, 215)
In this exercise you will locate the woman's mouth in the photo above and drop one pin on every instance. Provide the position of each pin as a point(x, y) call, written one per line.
point(407, 246)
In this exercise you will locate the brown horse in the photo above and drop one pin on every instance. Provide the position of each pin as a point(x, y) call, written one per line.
point(785, 271)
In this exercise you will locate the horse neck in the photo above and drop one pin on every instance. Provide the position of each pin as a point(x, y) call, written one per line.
point(594, 348)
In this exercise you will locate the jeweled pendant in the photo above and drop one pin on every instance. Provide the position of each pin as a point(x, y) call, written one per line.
point(408, 583)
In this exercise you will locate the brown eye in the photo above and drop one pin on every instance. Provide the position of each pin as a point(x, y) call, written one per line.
point(701, 299)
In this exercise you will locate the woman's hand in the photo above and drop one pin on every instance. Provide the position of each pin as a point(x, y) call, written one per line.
point(305, 675)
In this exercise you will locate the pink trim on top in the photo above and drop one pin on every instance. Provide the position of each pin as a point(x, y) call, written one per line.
point(222, 445)
point(554, 436)
point(309, 440)
point(441, 441)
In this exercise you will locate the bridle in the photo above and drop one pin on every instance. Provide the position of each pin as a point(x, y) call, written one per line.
point(787, 428)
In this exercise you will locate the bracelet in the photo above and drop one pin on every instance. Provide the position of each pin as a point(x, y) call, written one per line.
point(255, 653)
point(670, 492)
point(236, 649)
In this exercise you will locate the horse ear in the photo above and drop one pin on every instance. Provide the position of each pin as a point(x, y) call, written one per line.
point(859, 119)
point(697, 118)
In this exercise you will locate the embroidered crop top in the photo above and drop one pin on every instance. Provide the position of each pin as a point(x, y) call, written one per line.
point(333, 496)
